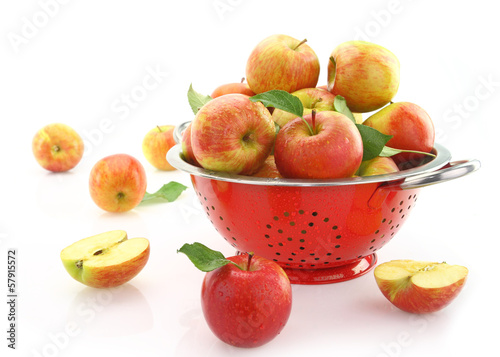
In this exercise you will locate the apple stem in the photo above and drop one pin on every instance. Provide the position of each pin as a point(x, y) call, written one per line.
point(313, 120)
point(159, 129)
point(300, 43)
point(250, 255)
point(242, 80)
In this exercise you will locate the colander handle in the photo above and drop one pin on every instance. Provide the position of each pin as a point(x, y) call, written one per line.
point(179, 129)
point(451, 171)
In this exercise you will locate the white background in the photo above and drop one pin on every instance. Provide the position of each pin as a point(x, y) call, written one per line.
point(77, 62)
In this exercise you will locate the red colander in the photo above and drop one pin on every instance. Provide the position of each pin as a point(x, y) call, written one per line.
point(319, 231)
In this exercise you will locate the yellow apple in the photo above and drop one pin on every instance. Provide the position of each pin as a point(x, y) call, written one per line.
point(106, 260)
point(156, 144)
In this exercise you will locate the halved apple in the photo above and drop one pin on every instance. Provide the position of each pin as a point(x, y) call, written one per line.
point(420, 286)
point(106, 260)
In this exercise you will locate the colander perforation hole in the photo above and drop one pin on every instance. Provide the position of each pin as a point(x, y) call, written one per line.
point(228, 229)
point(310, 224)
point(326, 220)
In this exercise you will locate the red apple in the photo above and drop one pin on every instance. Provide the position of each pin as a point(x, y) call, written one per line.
point(411, 128)
point(187, 148)
point(232, 134)
point(282, 62)
point(419, 286)
point(247, 305)
point(231, 88)
point(156, 144)
point(268, 169)
point(57, 147)
point(377, 166)
point(311, 98)
point(365, 74)
point(117, 183)
point(333, 150)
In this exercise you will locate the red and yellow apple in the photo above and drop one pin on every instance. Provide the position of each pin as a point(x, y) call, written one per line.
point(411, 128)
point(117, 183)
point(282, 62)
point(268, 169)
point(232, 134)
point(187, 148)
point(156, 144)
point(57, 147)
point(364, 73)
point(106, 260)
point(247, 305)
point(377, 166)
point(334, 149)
point(419, 286)
point(231, 88)
point(311, 98)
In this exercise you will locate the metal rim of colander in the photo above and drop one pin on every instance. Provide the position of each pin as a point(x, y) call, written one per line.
point(175, 158)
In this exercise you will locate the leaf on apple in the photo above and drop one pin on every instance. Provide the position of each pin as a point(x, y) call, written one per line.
point(204, 258)
point(388, 152)
point(169, 192)
point(340, 105)
point(197, 100)
point(280, 99)
point(373, 141)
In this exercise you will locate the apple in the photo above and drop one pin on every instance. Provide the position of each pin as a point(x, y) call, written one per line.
point(156, 144)
point(57, 147)
point(187, 148)
point(117, 183)
point(230, 88)
point(106, 260)
point(377, 166)
point(249, 304)
point(411, 128)
point(232, 134)
point(334, 149)
point(419, 286)
point(364, 73)
point(268, 169)
point(311, 98)
point(282, 62)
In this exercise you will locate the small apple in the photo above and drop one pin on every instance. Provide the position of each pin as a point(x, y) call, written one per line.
point(377, 166)
point(187, 148)
point(268, 169)
point(282, 62)
point(418, 286)
point(232, 134)
point(57, 147)
point(230, 88)
point(106, 260)
point(364, 73)
point(156, 144)
point(117, 183)
point(334, 148)
point(311, 98)
point(411, 128)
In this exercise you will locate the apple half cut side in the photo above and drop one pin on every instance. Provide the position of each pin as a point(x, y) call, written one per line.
point(106, 260)
point(420, 286)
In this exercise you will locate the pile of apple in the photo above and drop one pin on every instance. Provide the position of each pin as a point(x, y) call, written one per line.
point(251, 129)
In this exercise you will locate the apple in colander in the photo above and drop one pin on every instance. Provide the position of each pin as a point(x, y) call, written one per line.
point(246, 299)
point(420, 286)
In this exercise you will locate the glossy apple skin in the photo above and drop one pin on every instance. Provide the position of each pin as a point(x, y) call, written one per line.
point(232, 134)
point(268, 169)
point(335, 151)
point(311, 98)
point(156, 144)
point(247, 308)
point(277, 63)
point(411, 127)
point(117, 183)
point(187, 148)
point(232, 88)
point(365, 74)
point(377, 166)
point(57, 147)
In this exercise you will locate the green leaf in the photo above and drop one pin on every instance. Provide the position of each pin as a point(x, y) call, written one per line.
point(169, 192)
point(203, 257)
point(373, 141)
point(280, 99)
point(388, 151)
point(340, 105)
point(197, 100)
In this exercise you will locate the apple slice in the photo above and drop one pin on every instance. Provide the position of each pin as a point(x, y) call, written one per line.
point(106, 260)
point(420, 286)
